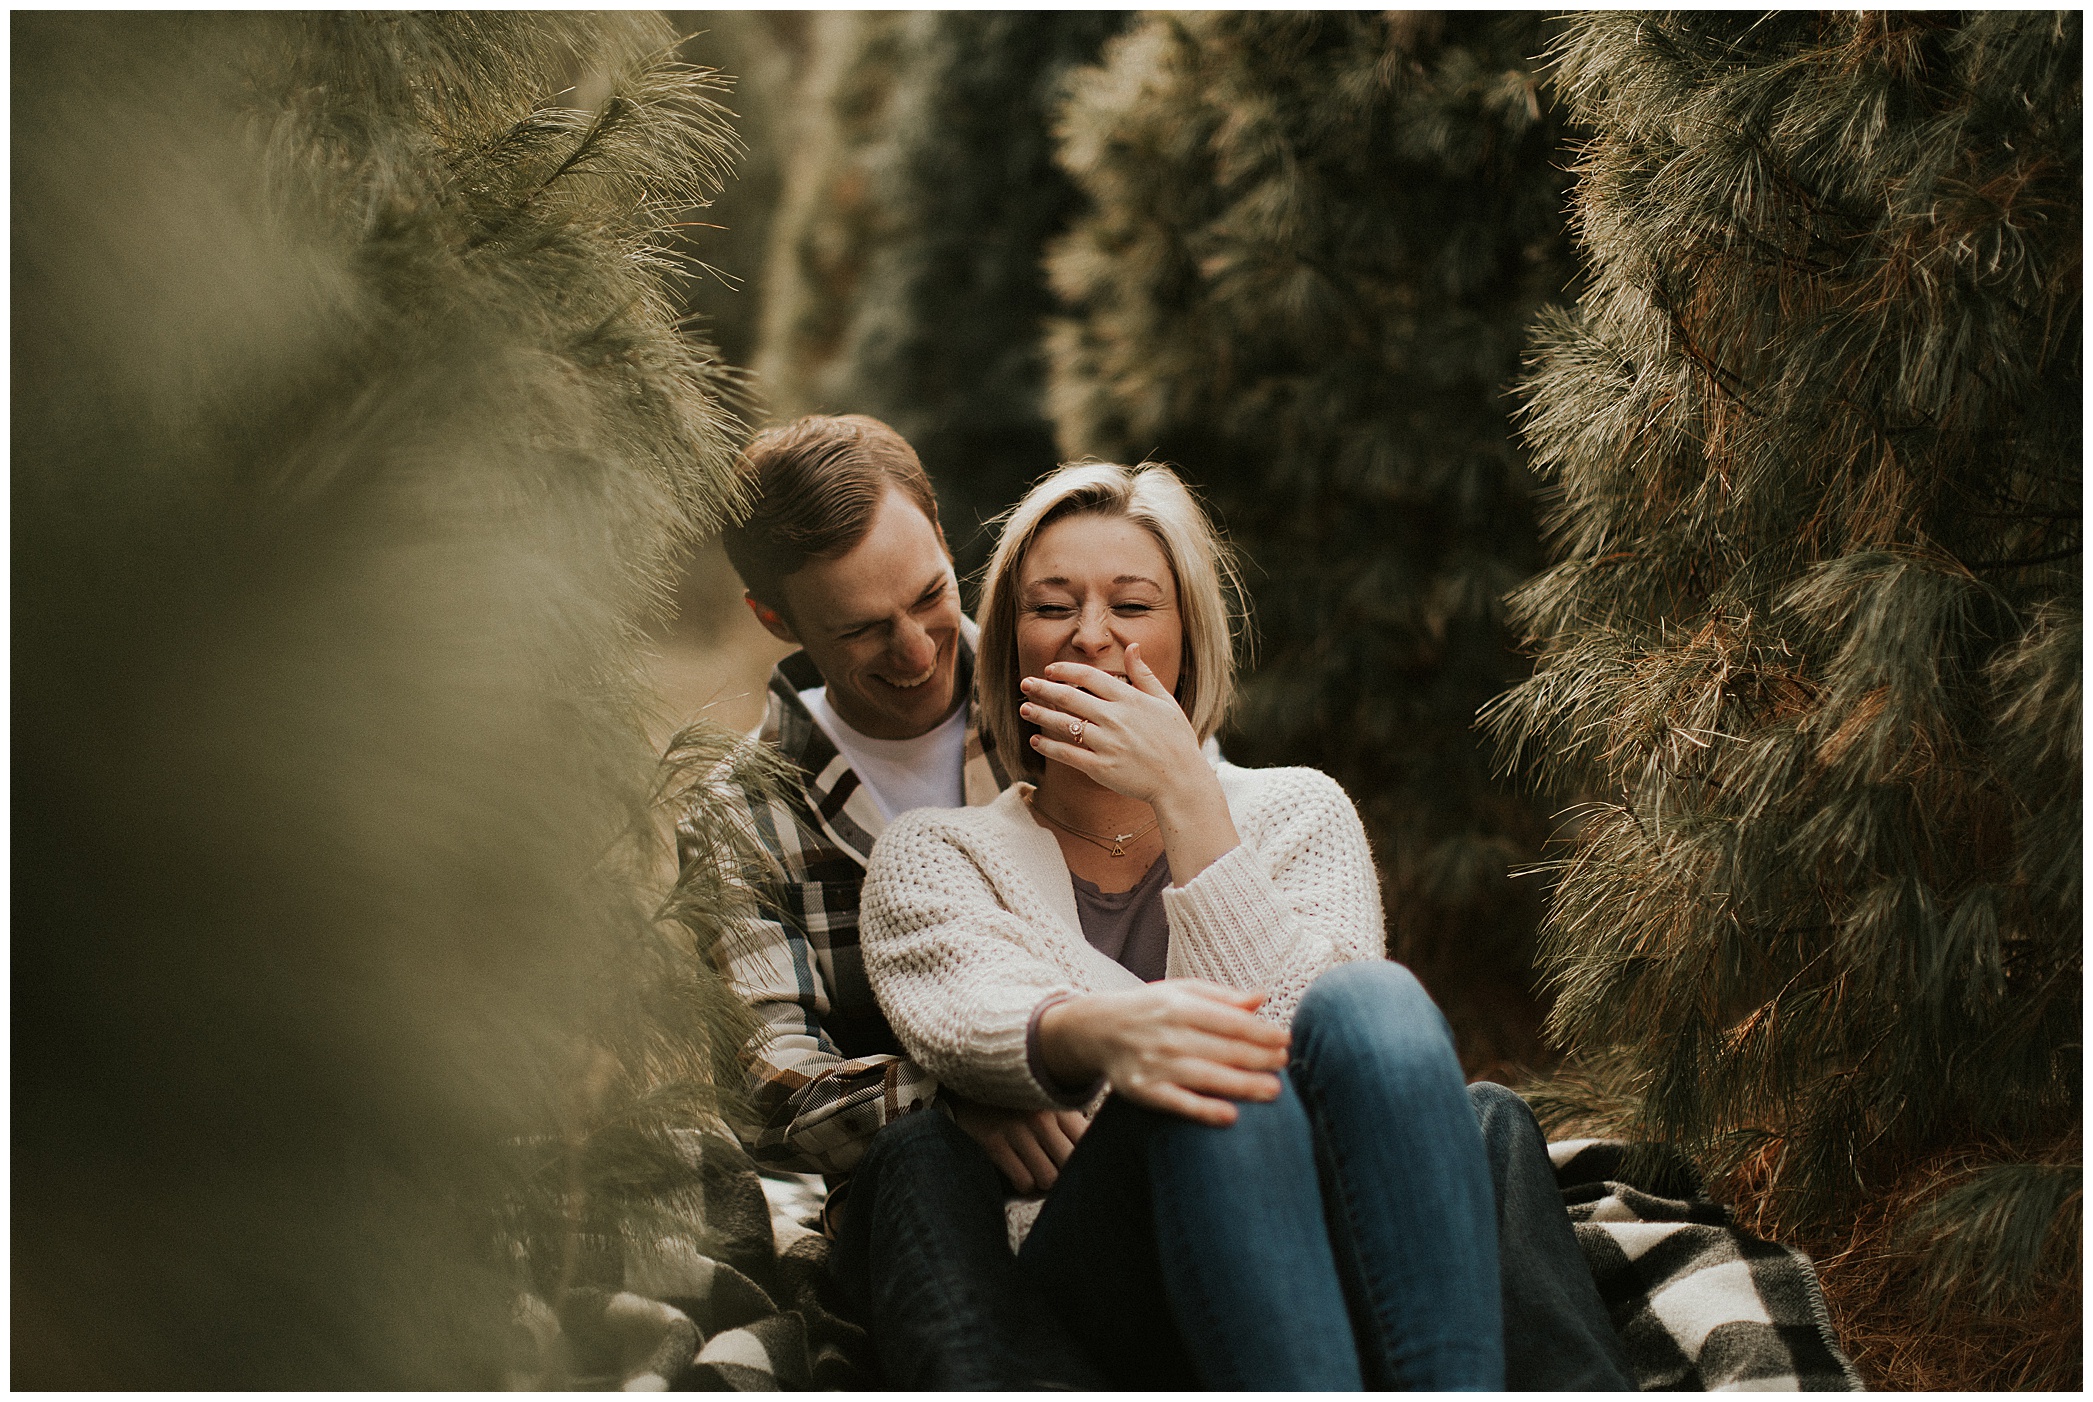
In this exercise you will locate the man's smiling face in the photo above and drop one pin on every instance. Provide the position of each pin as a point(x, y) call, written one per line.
point(881, 623)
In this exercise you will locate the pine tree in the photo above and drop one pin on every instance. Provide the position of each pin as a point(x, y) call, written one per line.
point(353, 442)
point(904, 279)
point(1812, 439)
point(1315, 243)
point(764, 54)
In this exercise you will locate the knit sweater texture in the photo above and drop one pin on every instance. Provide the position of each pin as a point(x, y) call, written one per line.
point(968, 921)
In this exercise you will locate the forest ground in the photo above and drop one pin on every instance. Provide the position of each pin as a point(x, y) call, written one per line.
point(713, 659)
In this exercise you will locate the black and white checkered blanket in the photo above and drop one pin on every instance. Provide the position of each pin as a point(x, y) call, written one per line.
point(748, 1306)
point(1700, 1305)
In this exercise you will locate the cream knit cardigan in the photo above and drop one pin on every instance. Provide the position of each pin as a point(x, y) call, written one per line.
point(968, 921)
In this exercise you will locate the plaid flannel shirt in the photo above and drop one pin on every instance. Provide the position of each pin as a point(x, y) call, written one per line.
point(827, 1073)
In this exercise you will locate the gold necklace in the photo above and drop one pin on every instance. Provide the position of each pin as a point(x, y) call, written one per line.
point(1114, 846)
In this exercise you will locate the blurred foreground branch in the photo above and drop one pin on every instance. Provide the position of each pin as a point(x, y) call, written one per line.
point(353, 441)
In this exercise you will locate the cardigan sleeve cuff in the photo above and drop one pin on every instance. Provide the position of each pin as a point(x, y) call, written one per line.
point(1231, 914)
point(1062, 1095)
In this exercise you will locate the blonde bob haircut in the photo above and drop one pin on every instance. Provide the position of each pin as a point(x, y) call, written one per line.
point(1208, 593)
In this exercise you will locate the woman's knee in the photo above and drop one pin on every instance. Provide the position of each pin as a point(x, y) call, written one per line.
point(1369, 986)
point(1372, 1009)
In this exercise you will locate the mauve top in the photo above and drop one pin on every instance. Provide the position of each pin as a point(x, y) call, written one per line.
point(1129, 926)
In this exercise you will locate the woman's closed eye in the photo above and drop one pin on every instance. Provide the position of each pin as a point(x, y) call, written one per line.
point(1129, 608)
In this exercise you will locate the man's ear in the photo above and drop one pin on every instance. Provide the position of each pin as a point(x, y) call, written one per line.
point(773, 622)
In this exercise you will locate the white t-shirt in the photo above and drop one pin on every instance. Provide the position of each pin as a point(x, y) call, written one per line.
point(926, 772)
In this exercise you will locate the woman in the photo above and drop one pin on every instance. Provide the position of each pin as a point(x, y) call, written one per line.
point(1206, 942)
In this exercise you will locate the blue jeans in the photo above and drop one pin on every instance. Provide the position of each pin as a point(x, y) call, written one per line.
point(1344, 1235)
point(1557, 1333)
point(922, 1250)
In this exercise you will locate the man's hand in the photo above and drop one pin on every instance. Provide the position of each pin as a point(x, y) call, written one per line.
point(1029, 1146)
point(1183, 1045)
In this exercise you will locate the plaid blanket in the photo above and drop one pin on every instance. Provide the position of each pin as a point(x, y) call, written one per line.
point(1700, 1305)
point(750, 1307)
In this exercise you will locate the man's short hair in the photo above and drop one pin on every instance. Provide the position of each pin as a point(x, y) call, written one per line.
point(816, 483)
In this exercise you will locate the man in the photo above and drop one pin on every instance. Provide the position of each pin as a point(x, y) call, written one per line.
point(844, 555)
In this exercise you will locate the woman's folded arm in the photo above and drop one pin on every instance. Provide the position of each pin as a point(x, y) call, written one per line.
point(951, 969)
point(1296, 897)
